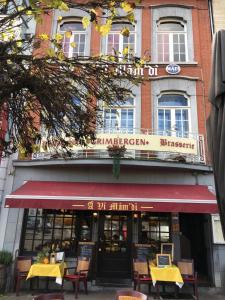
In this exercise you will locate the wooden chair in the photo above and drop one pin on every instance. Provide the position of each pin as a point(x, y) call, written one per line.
point(53, 296)
point(22, 267)
point(141, 274)
point(130, 295)
point(186, 267)
point(80, 274)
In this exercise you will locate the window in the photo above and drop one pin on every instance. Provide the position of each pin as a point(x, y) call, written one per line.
point(61, 228)
point(155, 229)
point(171, 41)
point(78, 36)
point(117, 42)
point(173, 115)
point(119, 118)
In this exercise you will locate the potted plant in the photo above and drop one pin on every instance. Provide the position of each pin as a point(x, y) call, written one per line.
point(116, 152)
point(43, 255)
point(5, 261)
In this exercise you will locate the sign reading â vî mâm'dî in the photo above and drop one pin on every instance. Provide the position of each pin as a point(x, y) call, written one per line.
point(135, 142)
point(143, 70)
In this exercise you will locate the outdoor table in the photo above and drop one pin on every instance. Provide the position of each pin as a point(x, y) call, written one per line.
point(47, 270)
point(169, 274)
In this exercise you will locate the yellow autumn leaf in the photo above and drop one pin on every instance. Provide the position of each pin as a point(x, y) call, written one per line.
point(61, 56)
point(59, 19)
point(63, 6)
point(20, 8)
point(58, 37)
point(142, 61)
point(19, 44)
point(126, 6)
point(126, 51)
point(43, 36)
point(73, 45)
point(112, 58)
point(68, 34)
point(28, 12)
point(131, 18)
point(125, 32)
point(85, 21)
point(105, 29)
point(51, 52)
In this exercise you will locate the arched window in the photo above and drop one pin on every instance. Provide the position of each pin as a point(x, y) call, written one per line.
point(173, 115)
point(118, 42)
point(171, 41)
point(78, 36)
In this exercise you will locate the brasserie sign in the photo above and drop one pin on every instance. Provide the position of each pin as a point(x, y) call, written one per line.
point(135, 142)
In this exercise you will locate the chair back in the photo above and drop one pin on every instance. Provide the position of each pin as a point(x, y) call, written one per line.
point(186, 267)
point(83, 264)
point(130, 295)
point(141, 267)
point(23, 263)
point(53, 296)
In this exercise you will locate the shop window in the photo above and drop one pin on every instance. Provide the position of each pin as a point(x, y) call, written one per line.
point(119, 117)
point(78, 37)
point(173, 113)
point(171, 41)
point(60, 229)
point(155, 229)
point(116, 42)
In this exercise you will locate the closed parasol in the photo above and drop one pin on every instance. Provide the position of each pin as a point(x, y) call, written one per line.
point(216, 121)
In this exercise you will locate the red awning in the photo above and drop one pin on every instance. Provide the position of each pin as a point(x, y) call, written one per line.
point(113, 196)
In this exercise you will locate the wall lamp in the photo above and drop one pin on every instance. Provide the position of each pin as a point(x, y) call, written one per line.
point(95, 216)
point(135, 217)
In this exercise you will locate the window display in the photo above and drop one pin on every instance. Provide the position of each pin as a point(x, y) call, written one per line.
point(56, 229)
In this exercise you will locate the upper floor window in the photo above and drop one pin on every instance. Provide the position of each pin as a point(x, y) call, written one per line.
point(173, 115)
point(171, 41)
point(118, 42)
point(74, 45)
point(119, 117)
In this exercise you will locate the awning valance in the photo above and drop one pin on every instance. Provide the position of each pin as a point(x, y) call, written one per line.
point(113, 196)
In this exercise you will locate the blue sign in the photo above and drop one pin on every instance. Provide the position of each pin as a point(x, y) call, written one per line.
point(173, 69)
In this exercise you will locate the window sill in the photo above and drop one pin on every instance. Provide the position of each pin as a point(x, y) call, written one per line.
point(191, 63)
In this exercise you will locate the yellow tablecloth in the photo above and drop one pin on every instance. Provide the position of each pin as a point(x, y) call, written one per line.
point(47, 270)
point(171, 274)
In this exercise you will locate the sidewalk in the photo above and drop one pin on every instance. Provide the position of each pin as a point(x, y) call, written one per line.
point(103, 293)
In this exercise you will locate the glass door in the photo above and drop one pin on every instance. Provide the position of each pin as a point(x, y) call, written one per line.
point(114, 246)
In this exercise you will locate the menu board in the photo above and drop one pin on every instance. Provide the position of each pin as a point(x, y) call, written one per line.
point(167, 248)
point(86, 249)
point(163, 260)
point(143, 251)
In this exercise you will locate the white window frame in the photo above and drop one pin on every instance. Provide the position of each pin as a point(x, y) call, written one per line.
point(121, 38)
point(77, 32)
point(173, 112)
point(171, 37)
point(119, 109)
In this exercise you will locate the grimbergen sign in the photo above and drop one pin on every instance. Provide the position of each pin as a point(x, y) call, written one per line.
point(134, 142)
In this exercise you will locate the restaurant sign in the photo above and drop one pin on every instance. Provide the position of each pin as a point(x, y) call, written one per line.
point(142, 142)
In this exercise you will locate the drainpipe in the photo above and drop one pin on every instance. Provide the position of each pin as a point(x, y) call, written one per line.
point(211, 16)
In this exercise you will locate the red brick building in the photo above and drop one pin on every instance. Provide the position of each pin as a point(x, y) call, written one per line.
point(164, 190)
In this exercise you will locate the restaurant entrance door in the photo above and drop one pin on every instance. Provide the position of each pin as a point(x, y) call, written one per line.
point(114, 246)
